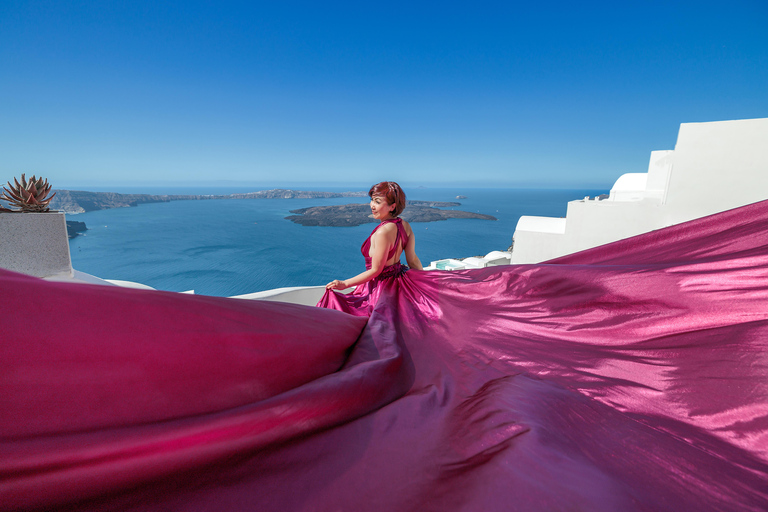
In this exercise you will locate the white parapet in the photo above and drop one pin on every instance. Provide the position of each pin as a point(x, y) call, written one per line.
point(474, 262)
point(130, 284)
point(446, 264)
point(82, 278)
point(306, 295)
point(496, 258)
point(714, 167)
point(629, 187)
point(492, 259)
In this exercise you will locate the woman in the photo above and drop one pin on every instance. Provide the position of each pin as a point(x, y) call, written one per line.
point(381, 250)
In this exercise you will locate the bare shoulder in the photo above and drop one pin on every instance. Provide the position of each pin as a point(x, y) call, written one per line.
point(389, 227)
point(388, 230)
point(407, 227)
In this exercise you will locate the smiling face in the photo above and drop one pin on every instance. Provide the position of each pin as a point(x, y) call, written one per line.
point(380, 208)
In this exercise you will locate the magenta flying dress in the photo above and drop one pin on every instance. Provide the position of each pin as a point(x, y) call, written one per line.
point(361, 300)
point(631, 377)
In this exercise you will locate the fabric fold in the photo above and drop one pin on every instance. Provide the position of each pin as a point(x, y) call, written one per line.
point(632, 376)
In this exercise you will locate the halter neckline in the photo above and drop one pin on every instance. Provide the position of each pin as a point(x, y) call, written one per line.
point(401, 236)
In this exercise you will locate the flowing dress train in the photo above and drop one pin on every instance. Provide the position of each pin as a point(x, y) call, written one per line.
point(632, 376)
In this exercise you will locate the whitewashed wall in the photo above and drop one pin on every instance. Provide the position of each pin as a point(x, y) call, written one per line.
point(714, 167)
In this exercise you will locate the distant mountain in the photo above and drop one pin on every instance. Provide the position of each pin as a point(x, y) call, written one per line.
point(79, 201)
point(356, 214)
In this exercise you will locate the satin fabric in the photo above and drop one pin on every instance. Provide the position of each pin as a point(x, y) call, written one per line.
point(633, 376)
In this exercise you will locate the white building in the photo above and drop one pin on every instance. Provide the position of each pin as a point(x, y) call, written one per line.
point(714, 167)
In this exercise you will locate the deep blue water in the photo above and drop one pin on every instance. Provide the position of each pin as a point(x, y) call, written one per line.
point(230, 247)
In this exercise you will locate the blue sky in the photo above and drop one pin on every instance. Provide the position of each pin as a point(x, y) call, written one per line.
point(553, 94)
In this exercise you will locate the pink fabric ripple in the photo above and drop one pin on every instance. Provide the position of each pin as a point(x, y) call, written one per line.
point(633, 376)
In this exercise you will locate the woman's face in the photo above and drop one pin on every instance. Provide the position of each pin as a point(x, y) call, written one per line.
point(380, 208)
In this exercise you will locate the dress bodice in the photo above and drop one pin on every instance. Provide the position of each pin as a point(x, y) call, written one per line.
point(401, 236)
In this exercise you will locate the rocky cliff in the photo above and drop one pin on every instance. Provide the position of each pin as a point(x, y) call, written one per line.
point(75, 227)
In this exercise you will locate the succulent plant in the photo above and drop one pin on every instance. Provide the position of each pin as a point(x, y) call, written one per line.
point(28, 196)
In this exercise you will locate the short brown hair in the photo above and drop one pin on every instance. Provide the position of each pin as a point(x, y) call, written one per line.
point(393, 194)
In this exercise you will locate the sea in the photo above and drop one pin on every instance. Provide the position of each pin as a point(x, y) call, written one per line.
point(229, 247)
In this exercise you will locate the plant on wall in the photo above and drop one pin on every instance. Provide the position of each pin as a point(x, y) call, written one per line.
point(28, 196)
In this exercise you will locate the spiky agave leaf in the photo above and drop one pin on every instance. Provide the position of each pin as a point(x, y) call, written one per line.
point(28, 196)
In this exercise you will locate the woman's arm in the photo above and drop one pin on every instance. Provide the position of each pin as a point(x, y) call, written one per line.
point(381, 243)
